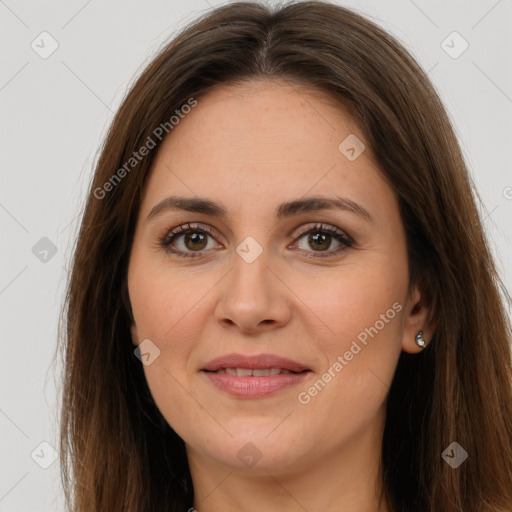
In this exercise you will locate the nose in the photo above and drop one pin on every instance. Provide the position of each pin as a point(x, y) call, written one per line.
point(253, 298)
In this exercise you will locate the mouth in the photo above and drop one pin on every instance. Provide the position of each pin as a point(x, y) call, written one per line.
point(253, 372)
point(244, 363)
point(254, 376)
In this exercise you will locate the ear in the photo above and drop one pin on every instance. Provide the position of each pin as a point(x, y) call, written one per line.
point(128, 306)
point(417, 318)
point(135, 335)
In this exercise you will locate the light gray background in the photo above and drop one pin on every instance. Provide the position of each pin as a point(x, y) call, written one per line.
point(55, 112)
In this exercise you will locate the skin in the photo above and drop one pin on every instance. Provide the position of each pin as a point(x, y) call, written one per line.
point(251, 147)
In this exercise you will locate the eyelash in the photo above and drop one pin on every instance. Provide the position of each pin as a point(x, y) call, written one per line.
point(166, 241)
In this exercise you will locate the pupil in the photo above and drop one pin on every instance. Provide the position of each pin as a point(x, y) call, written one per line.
point(321, 241)
point(195, 238)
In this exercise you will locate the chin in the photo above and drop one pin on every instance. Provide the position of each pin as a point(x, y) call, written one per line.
point(258, 457)
point(258, 448)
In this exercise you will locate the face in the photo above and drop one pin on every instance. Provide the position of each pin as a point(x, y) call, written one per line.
point(273, 322)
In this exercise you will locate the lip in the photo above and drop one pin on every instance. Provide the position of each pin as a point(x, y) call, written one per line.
point(252, 386)
point(253, 362)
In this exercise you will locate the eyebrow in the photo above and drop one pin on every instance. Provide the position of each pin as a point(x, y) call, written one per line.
point(284, 210)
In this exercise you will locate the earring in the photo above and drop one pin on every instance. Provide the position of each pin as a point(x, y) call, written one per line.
point(420, 340)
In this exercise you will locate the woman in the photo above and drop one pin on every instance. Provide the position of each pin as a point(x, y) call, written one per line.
point(282, 296)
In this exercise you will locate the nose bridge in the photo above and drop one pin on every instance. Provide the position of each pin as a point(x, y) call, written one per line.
point(249, 280)
point(252, 297)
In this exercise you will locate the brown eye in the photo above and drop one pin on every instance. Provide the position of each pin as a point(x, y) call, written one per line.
point(320, 241)
point(195, 241)
point(189, 240)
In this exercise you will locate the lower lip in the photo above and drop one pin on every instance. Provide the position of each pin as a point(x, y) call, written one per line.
point(255, 387)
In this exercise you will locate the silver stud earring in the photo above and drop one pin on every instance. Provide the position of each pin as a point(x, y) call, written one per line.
point(420, 340)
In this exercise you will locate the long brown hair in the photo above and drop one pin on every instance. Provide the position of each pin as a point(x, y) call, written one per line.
point(117, 451)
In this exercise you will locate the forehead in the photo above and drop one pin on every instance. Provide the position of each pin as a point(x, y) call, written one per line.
point(264, 141)
point(253, 118)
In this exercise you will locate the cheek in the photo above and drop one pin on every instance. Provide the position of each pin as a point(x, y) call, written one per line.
point(357, 327)
point(170, 309)
point(360, 351)
point(355, 302)
point(168, 303)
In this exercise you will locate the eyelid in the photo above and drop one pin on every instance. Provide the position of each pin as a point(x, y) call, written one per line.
point(341, 236)
point(322, 226)
point(190, 226)
point(166, 240)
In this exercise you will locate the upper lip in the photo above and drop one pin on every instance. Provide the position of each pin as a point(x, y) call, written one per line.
point(259, 361)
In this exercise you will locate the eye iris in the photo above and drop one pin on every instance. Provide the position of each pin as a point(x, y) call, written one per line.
point(320, 241)
point(198, 241)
